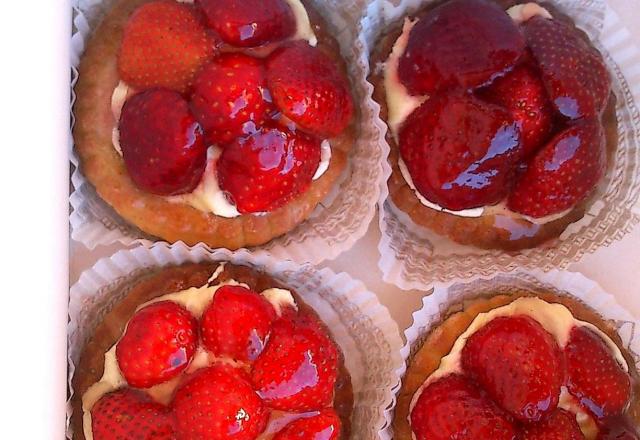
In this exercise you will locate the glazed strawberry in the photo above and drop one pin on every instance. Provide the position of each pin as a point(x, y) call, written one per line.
point(523, 94)
point(594, 376)
point(164, 45)
point(229, 97)
point(573, 71)
point(162, 144)
point(461, 42)
point(460, 151)
point(248, 23)
point(237, 323)
point(129, 414)
point(452, 407)
point(157, 345)
point(269, 168)
point(519, 364)
point(562, 173)
point(218, 403)
point(617, 429)
point(310, 89)
point(561, 425)
point(323, 426)
point(297, 370)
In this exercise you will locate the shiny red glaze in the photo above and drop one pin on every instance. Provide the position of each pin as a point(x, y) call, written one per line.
point(323, 426)
point(249, 23)
point(158, 344)
point(461, 42)
point(237, 323)
point(561, 425)
point(267, 169)
point(460, 151)
point(162, 144)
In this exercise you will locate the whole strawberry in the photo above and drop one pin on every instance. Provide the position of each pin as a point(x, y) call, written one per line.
point(158, 344)
point(323, 426)
point(561, 425)
point(129, 414)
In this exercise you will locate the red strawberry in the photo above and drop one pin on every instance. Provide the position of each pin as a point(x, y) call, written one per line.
point(594, 375)
point(237, 323)
point(562, 173)
point(218, 403)
point(157, 345)
point(461, 42)
point(519, 364)
point(162, 144)
point(561, 425)
point(523, 94)
point(460, 151)
point(129, 414)
point(229, 97)
point(248, 23)
point(164, 45)
point(452, 407)
point(573, 71)
point(267, 169)
point(310, 89)
point(323, 426)
point(617, 429)
point(297, 370)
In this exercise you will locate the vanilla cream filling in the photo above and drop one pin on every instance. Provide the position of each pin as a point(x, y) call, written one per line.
point(555, 319)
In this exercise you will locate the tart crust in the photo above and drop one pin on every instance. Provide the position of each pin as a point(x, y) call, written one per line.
point(173, 279)
point(155, 215)
point(489, 231)
point(439, 342)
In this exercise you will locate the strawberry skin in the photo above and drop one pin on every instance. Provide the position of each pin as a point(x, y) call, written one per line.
point(562, 173)
point(164, 45)
point(573, 71)
point(323, 426)
point(249, 23)
point(594, 376)
point(309, 89)
point(229, 97)
point(237, 323)
point(162, 144)
point(561, 425)
point(452, 407)
point(267, 169)
point(158, 344)
point(129, 414)
point(519, 364)
point(460, 43)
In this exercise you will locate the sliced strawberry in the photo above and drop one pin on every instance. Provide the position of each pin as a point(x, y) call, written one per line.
point(249, 23)
point(310, 89)
point(573, 71)
point(562, 173)
point(323, 426)
point(267, 169)
point(218, 403)
point(460, 151)
point(461, 42)
point(594, 376)
point(297, 370)
point(164, 45)
point(452, 407)
point(519, 364)
point(229, 97)
point(523, 94)
point(129, 414)
point(157, 345)
point(162, 144)
point(617, 429)
point(561, 425)
point(237, 323)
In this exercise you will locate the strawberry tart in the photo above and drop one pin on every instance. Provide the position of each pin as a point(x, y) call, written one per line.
point(218, 121)
point(520, 367)
point(211, 352)
point(501, 120)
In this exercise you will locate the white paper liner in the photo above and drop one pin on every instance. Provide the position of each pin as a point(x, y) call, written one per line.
point(336, 224)
point(446, 295)
point(413, 257)
point(368, 337)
